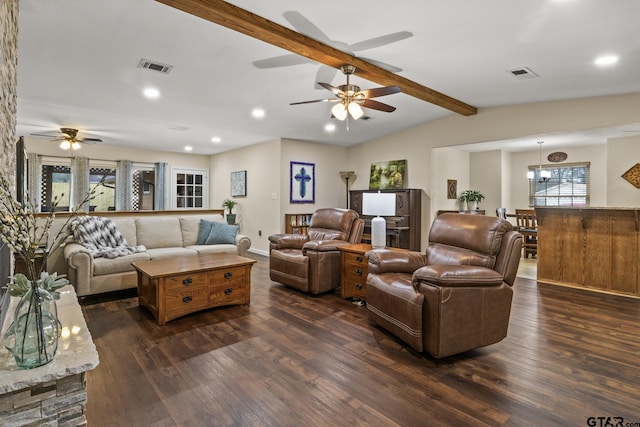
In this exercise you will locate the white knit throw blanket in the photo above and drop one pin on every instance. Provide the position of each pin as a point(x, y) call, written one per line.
point(101, 236)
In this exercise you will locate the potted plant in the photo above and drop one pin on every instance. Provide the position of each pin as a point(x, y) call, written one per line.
point(230, 204)
point(473, 196)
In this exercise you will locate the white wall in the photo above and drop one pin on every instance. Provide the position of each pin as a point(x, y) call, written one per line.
point(622, 154)
point(486, 177)
point(257, 213)
point(448, 163)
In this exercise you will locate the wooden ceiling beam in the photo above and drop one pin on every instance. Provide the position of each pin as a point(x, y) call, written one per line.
point(245, 22)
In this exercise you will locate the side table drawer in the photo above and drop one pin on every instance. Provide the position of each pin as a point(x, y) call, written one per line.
point(355, 282)
point(355, 259)
point(184, 282)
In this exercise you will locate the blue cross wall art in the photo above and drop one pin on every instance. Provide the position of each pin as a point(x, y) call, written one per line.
point(302, 187)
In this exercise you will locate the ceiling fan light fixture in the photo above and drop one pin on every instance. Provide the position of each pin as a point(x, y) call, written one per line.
point(355, 110)
point(75, 145)
point(339, 111)
point(65, 145)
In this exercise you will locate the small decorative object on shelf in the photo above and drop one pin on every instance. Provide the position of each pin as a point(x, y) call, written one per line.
point(33, 335)
point(230, 204)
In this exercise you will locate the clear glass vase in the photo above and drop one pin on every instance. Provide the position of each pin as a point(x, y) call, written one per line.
point(33, 335)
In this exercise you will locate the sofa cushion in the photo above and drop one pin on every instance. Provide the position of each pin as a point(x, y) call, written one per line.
point(166, 253)
point(163, 232)
point(191, 228)
point(215, 249)
point(222, 234)
point(127, 227)
point(102, 266)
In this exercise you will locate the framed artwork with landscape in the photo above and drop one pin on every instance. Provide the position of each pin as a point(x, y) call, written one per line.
point(389, 175)
point(302, 182)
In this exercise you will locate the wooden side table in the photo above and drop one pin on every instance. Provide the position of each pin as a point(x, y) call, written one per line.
point(354, 266)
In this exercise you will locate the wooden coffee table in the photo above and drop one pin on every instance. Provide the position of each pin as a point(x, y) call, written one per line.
point(171, 288)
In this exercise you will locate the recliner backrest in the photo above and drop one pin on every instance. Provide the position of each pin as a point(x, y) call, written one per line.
point(460, 239)
point(332, 224)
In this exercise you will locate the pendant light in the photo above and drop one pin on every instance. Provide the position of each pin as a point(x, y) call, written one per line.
point(543, 173)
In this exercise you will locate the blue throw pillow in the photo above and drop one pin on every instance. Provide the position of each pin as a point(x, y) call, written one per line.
point(203, 232)
point(222, 233)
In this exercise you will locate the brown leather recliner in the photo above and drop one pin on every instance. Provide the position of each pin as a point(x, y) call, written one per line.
point(311, 263)
point(454, 298)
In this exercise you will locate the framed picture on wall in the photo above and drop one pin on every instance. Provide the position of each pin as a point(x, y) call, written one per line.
point(452, 189)
point(238, 184)
point(302, 182)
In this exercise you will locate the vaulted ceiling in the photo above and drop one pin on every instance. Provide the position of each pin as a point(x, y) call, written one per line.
point(78, 65)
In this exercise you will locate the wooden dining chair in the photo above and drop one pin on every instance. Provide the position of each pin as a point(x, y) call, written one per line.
point(528, 227)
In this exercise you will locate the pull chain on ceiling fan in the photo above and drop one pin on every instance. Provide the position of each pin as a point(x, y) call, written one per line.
point(350, 98)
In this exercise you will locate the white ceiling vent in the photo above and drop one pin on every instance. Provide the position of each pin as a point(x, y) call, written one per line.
point(155, 66)
point(523, 73)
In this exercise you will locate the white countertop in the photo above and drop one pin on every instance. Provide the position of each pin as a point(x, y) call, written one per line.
point(76, 351)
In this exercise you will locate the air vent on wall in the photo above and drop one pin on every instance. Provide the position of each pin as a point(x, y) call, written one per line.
point(523, 73)
point(155, 66)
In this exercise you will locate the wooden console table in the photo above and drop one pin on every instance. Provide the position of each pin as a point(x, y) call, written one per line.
point(590, 248)
point(175, 287)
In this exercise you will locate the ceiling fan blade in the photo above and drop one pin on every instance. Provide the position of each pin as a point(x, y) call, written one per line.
point(324, 74)
point(330, 88)
point(47, 135)
point(380, 91)
point(383, 65)
point(281, 61)
point(304, 26)
point(315, 100)
point(380, 41)
point(90, 140)
point(375, 105)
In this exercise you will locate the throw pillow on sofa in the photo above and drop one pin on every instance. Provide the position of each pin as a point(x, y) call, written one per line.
point(203, 232)
point(219, 233)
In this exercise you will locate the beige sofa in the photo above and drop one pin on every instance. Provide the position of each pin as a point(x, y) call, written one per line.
point(164, 236)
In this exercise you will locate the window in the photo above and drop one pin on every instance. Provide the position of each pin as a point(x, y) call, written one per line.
point(567, 186)
point(143, 187)
point(103, 174)
point(55, 184)
point(190, 188)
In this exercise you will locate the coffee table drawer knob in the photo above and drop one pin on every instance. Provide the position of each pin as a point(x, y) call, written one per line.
point(187, 281)
point(359, 272)
point(359, 259)
point(228, 291)
point(187, 299)
point(358, 286)
point(228, 275)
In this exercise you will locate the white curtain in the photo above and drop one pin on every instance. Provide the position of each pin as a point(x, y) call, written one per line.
point(80, 182)
point(124, 183)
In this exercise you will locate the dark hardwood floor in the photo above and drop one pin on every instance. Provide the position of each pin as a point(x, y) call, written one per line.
point(290, 359)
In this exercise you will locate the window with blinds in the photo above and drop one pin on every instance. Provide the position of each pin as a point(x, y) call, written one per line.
point(567, 186)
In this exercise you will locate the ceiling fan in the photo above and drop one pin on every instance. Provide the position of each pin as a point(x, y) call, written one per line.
point(69, 138)
point(306, 27)
point(350, 98)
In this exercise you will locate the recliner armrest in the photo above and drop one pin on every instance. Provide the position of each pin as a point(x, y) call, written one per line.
point(288, 241)
point(392, 261)
point(323, 245)
point(456, 276)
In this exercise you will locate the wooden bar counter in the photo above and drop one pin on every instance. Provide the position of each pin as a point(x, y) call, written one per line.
point(592, 248)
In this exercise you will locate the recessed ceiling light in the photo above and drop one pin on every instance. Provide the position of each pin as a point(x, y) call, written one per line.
point(151, 93)
point(216, 140)
point(606, 60)
point(329, 127)
point(258, 113)
point(188, 148)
